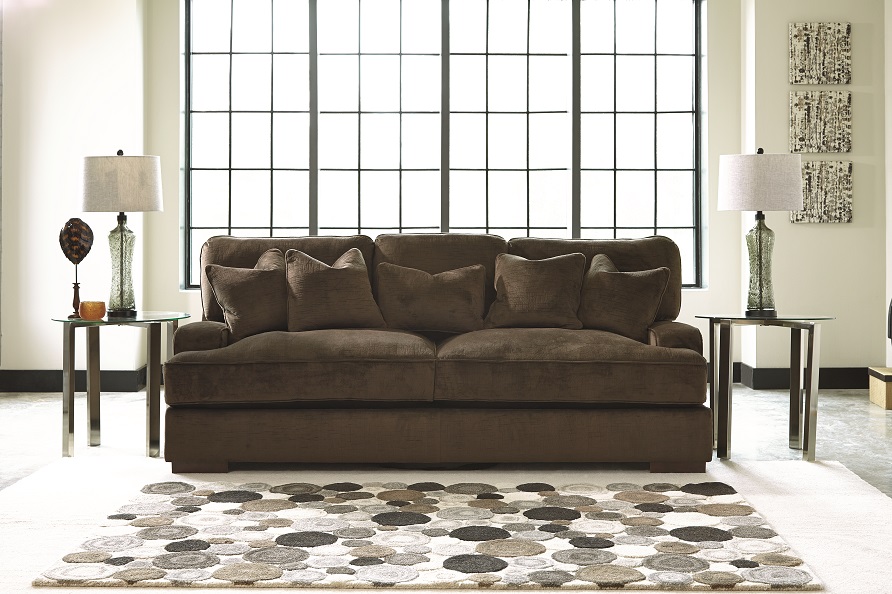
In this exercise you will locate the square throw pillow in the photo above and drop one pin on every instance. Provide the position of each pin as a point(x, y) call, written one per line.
point(337, 296)
point(625, 303)
point(253, 300)
point(537, 293)
point(451, 301)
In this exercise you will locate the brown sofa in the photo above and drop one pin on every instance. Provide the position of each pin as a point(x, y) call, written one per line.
point(516, 393)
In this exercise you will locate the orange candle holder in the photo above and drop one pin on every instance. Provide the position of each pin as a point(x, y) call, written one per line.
point(91, 310)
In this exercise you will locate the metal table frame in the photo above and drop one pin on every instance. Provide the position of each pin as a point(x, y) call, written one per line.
point(803, 378)
point(150, 320)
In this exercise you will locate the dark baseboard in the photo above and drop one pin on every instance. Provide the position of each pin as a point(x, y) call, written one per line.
point(831, 378)
point(51, 380)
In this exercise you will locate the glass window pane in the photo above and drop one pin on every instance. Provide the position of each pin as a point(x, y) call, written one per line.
point(291, 88)
point(338, 83)
point(421, 27)
point(596, 83)
point(379, 26)
point(251, 82)
point(291, 140)
point(210, 20)
point(675, 141)
point(467, 83)
point(635, 26)
point(467, 143)
point(251, 26)
point(210, 140)
point(550, 83)
point(209, 199)
point(338, 199)
point(421, 141)
point(291, 26)
point(675, 27)
point(467, 26)
point(210, 83)
point(379, 141)
point(508, 199)
point(421, 83)
point(549, 140)
point(337, 26)
point(634, 141)
point(338, 141)
point(467, 199)
point(550, 31)
point(634, 83)
point(596, 199)
point(550, 199)
point(380, 83)
point(634, 198)
point(596, 26)
point(675, 196)
point(421, 199)
point(508, 26)
point(675, 83)
point(684, 239)
point(290, 232)
point(250, 140)
point(250, 232)
point(596, 141)
point(634, 233)
point(507, 83)
point(380, 204)
point(507, 141)
point(291, 198)
point(597, 233)
point(251, 198)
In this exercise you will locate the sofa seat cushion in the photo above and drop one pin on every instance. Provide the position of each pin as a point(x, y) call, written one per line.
point(340, 365)
point(575, 367)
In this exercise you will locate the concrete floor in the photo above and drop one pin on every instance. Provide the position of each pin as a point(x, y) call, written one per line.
point(850, 430)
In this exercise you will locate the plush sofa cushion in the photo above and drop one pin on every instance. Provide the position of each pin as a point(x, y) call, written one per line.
point(336, 296)
point(537, 293)
point(316, 366)
point(554, 366)
point(252, 299)
point(412, 299)
point(622, 302)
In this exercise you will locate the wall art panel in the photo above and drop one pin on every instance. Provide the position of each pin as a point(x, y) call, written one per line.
point(827, 193)
point(820, 53)
point(820, 121)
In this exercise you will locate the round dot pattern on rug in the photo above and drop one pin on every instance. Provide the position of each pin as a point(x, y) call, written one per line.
point(430, 534)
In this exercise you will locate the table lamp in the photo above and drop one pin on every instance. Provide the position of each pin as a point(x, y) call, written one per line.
point(122, 184)
point(760, 182)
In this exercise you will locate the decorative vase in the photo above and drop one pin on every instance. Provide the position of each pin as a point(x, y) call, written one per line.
point(91, 310)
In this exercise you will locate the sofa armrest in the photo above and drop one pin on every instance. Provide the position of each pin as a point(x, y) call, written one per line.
point(675, 335)
point(200, 336)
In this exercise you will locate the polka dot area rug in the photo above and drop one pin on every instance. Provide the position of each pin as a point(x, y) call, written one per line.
point(657, 536)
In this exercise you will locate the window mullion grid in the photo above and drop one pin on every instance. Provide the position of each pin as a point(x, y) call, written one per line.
point(486, 124)
point(400, 131)
point(696, 198)
point(359, 119)
point(314, 122)
point(229, 189)
point(445, 114)
point(656, 119)
point(528, 119)
point(615, 122)
point(272, 128)
point(575, 121)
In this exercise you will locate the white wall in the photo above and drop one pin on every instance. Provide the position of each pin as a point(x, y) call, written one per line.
point(73, 75)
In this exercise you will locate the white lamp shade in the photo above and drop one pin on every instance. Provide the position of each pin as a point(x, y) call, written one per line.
point(760, 182)
point(122, 184)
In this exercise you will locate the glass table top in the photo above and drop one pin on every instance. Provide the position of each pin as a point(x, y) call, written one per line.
point(141, 316)
point(778, 318)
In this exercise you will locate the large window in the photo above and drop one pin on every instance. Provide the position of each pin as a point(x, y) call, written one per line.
point(547, 118)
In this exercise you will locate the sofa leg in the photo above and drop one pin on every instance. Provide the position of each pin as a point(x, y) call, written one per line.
point(678, 466)
point(189, 466)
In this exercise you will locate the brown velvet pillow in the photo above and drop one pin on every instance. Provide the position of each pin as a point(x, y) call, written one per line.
point(451, 301)
point(336, 296)
point(624, 303)
point(537, 293)
point(252, 299)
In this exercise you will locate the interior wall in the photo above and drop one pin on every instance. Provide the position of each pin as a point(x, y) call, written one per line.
point(97, 75)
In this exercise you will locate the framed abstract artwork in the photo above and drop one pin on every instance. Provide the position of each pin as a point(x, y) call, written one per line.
point(820, 53)
point(826, 193)
point(820, 122)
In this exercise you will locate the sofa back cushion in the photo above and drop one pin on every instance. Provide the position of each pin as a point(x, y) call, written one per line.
point(243, 252)
point(438, 252)
point(626, 254)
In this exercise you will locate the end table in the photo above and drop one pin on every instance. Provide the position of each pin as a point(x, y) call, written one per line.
point(803, 398)
point(152, 321)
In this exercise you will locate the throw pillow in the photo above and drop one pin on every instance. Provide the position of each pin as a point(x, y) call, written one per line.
point(625, 303)
point(537, 293)
point(337, 296)
point(252, 299)
point(451, 301)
